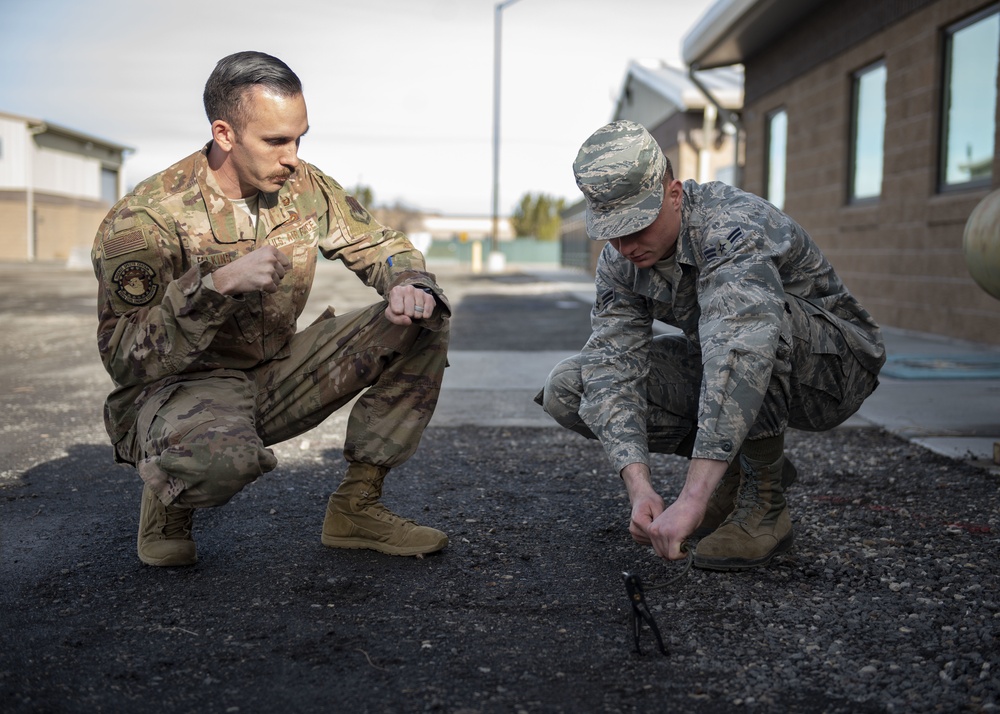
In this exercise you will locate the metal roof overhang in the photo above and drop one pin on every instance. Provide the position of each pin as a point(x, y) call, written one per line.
point(732, 30)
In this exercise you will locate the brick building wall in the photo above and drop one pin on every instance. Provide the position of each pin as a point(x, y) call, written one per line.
point(63, 225)
point(14, 219)
point(902, 254)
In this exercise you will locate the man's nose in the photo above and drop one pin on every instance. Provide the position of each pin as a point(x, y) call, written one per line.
point(291, 158)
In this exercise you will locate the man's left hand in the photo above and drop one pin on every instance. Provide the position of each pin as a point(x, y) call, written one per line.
point(669, 530)
point(408, 303)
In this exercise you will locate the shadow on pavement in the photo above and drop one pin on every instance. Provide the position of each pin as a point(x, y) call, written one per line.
point(888, 599)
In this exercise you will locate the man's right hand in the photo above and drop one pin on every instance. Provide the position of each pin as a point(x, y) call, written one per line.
point(646, 502)
point(260, 269)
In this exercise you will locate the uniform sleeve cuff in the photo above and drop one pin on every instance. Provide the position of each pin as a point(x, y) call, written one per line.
point(715, 448)
point(621, 455)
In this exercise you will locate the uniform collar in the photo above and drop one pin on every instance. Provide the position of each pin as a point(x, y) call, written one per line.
point(691, 220)
point(272, 209)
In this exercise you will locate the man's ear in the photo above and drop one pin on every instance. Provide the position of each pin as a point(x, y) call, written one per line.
point(675, 192)
point(223, 135)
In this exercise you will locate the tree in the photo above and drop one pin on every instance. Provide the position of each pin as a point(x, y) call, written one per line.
point(537, 216)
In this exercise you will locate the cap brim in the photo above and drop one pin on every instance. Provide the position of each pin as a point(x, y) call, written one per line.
point(625, 220)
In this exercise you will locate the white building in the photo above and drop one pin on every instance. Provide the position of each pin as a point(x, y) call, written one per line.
point(56, 185)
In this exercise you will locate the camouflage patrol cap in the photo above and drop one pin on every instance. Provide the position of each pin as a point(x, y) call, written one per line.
point(620, 171)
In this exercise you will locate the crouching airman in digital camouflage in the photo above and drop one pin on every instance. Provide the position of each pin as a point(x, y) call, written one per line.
point(204, 269)
point(770, 338)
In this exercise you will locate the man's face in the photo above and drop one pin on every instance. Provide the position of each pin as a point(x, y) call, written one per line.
point(265, 151)
point(658, 240)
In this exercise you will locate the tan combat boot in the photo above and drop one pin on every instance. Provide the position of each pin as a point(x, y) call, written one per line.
point(356, 519)
point(723, 499)
point(759, 527)
point(164, 533)
point(722, 502)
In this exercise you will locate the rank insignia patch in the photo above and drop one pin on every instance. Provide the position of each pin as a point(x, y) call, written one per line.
point(357, 211)
point(721, 247)
point(135, 282)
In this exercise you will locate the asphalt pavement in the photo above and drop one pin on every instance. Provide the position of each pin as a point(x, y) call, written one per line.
point(887, 602)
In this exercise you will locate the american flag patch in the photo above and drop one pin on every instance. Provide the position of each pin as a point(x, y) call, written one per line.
point(124, 242)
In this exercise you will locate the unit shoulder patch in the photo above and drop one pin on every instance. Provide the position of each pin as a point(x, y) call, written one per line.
point(134, 282)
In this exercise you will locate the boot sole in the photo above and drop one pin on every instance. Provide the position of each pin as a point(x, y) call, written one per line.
point(725, 564)
point(365, 544)
point(170, 561)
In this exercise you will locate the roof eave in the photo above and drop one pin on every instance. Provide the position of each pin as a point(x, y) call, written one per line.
point(730, 31)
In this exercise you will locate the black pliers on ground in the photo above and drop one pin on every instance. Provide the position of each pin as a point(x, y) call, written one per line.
point(640, 610)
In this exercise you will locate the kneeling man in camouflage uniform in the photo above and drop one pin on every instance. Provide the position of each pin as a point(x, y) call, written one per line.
point(769, 339)
point(204, 269)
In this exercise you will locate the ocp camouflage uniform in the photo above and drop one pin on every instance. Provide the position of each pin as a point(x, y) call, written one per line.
point(770, 338)
point(204, 382)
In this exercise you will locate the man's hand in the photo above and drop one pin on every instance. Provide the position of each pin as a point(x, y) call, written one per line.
point(646, 503)
point(408, 303)
point(669, 531)
point(260, 269)
point(666, 530)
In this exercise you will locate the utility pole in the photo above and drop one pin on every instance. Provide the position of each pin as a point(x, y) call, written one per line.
point(496, 257)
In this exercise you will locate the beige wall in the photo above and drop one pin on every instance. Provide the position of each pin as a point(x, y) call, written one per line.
point(62, 226)
point(66, 225)
point(901, 256)
point(13, 226)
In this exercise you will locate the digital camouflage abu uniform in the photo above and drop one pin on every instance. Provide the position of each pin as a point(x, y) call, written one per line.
point(188, 363)
point(771, 338)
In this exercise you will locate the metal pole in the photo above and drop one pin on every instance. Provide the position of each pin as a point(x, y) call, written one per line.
point(497, 33)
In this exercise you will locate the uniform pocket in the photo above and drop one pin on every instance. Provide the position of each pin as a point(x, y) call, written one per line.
point(248, 317)
point(167, 417)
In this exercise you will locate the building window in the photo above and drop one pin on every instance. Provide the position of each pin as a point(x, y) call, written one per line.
point(109, 186)
point(777, 153)
point(867, 132)
point(970, 100)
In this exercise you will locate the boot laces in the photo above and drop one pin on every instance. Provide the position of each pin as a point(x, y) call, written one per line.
point(747, 497)
point(371, 504)
point(382, 513)
point(177, 523)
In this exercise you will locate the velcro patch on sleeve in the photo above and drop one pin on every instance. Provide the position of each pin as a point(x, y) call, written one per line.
point(134, 283)
point(720, 247)
point(358, 212)
point(605, 299)
point(126, 241)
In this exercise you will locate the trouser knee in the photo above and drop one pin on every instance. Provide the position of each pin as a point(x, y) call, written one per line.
point(208, 473)
point(562, 394)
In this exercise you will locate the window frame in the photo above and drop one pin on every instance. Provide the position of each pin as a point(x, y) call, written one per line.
point(852, 158)
point(947, 38)
point(768, 164)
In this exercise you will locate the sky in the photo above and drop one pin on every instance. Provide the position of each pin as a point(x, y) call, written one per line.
point(399, 92)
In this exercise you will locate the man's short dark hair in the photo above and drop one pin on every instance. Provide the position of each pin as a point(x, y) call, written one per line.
point(234, 75)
